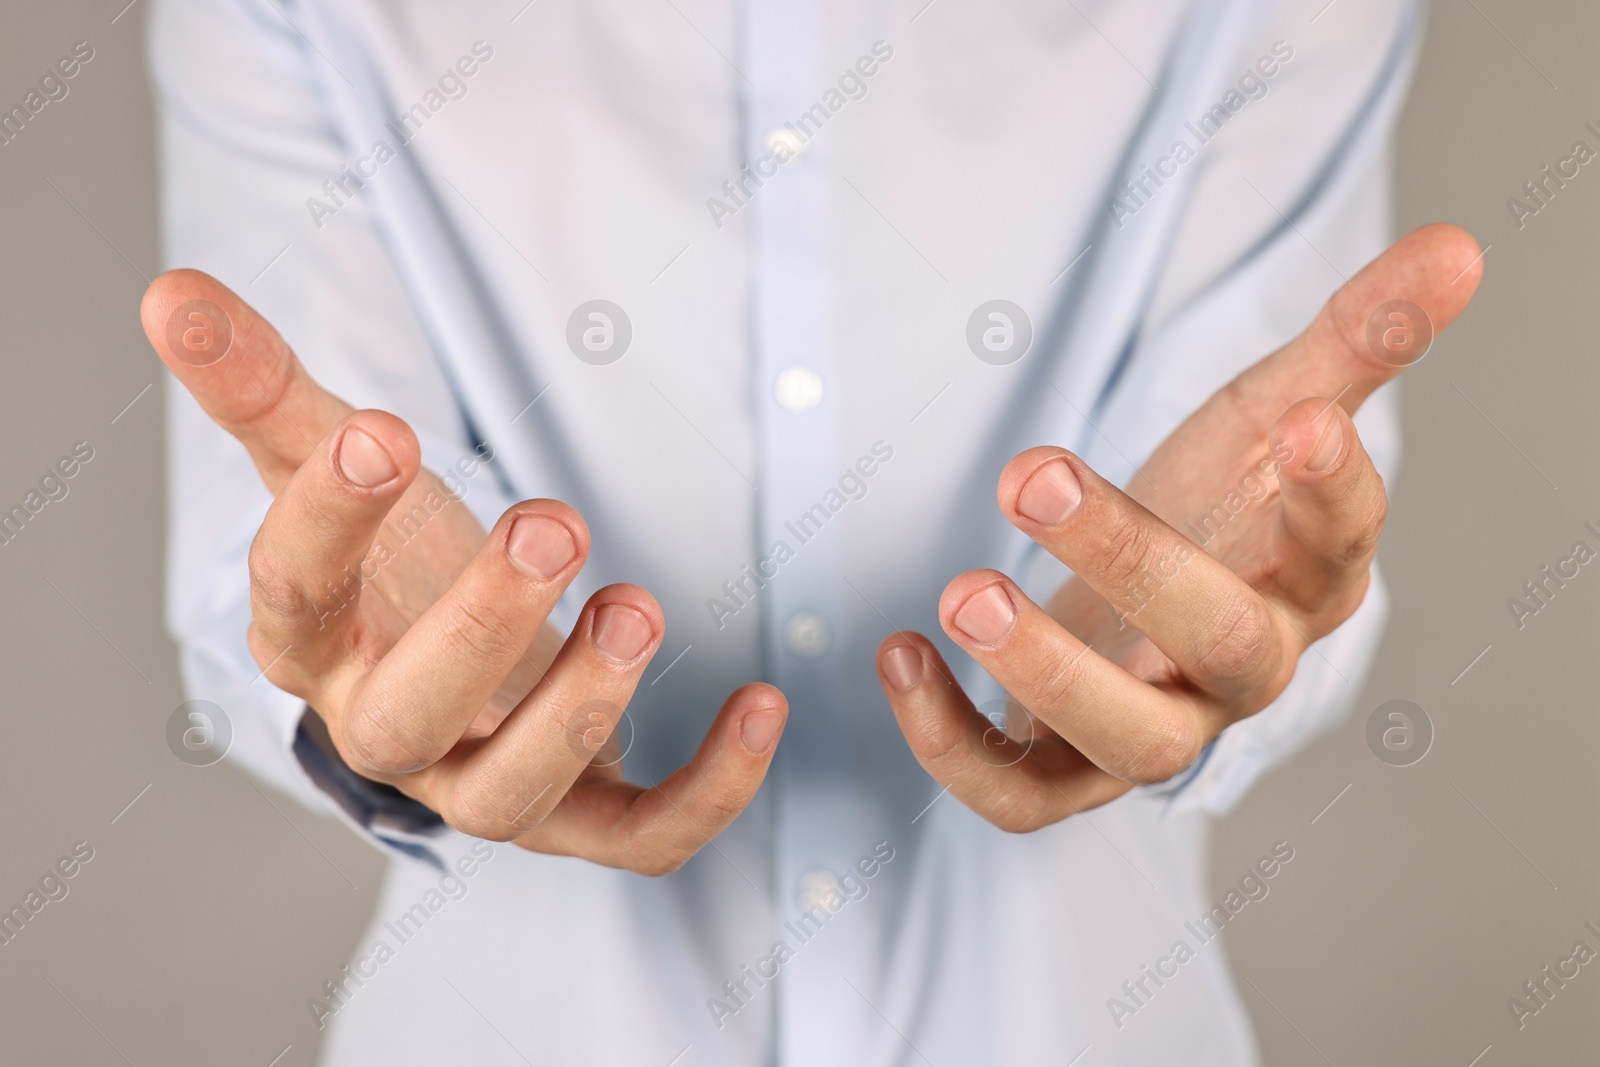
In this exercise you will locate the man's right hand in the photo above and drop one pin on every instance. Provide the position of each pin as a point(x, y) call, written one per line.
point(439, 674)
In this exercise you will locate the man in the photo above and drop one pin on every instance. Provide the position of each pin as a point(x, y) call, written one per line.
point(755, 308)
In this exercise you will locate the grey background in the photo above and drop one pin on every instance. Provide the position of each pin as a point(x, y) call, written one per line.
point(1416, 905)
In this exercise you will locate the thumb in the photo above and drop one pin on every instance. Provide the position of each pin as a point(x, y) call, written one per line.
point(1377, 324)
point(242, 373)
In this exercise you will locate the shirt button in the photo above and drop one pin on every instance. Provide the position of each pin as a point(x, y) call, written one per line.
point(819, 889)
point(807, 634)
point(784, 137)
point(798, 388)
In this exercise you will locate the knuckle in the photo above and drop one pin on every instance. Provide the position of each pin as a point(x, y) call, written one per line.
point(1132, 550)
point(474, 815)
point(1364, 543)
point(1057, 680)
point(284, 671)
point(657, 868)
point(274, 588)
point(939, 741)
point(720, 807)
point(658, 861)
point(1172, 745)
point(1245, 647)
point(373, 740)
point(664, 843)
point(1346, 322)
point(486, 634)
point(1019, 812)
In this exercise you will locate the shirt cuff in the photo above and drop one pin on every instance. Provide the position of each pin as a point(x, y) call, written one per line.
point(1325, 686)
point(382, 810)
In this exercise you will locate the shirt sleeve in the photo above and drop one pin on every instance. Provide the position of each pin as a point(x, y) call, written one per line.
point(1291, 199)
point(245, 143)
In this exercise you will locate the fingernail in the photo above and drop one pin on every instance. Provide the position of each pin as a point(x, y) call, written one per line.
point(362, 459)
point(1328, 448)
point(539, 546)
point(987, 616)
point(621, 632)
point(759, 728)
point(1051, 494)
point(902, 665)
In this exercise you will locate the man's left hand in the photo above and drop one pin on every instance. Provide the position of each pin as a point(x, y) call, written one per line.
point(1158, 644)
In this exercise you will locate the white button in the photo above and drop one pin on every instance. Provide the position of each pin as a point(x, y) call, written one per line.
point(819, 889)
point(807, 634)
point(784, 137)
point(798, 388)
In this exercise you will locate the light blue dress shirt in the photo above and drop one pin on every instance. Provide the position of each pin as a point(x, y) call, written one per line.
point(793, 213)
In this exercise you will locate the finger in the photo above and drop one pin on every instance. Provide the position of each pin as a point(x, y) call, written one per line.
point(1218, 629)
point(308, 562)
point(419, 700)
point(1017, 783)
point(240, 370)
point(654, 831)
point(1136, 731)
point(1351, 348)
point(1333, 507)
point(499, 786)
point(1435, 268)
